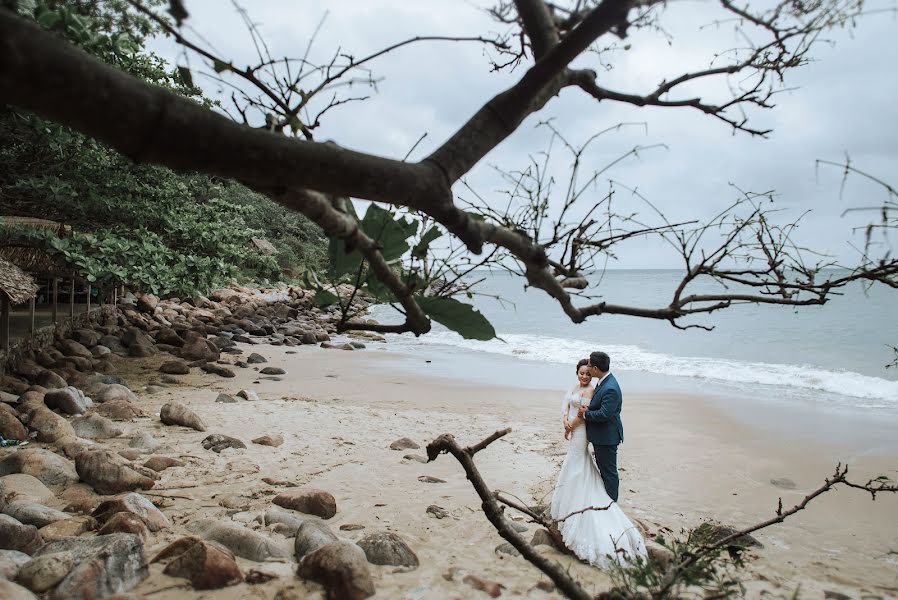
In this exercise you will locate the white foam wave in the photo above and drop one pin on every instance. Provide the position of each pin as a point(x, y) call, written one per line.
point(568, 351)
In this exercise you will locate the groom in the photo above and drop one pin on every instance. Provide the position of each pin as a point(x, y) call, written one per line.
point(603, 425)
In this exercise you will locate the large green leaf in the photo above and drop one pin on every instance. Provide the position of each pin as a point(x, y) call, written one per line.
point(324, 298)
point(462, 318)
point(390, 234)
point(342, 261)
point(420, 249)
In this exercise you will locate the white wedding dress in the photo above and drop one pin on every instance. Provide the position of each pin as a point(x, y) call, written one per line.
point(596, 536)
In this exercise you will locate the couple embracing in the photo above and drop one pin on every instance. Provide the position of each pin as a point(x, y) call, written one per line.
point(601, 532)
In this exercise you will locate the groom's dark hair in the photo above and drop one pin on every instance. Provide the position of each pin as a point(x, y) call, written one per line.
point(600, 360)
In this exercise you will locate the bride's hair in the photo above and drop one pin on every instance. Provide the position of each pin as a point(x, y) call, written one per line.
point(583, 362)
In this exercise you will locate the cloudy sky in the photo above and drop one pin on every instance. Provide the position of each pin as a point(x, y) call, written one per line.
point(844, 102)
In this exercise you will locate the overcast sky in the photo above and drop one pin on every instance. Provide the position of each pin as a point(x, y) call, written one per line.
point(844, 103)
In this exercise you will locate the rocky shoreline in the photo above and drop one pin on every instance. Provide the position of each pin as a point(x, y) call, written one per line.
point(77, 515)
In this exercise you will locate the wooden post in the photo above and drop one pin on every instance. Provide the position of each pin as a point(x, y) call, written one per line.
point(55, 300)
point(4, 321)
point(31, 307)
point(72, 299)
point(87, 288)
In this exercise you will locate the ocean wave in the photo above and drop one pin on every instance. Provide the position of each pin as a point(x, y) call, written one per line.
point(806, 378)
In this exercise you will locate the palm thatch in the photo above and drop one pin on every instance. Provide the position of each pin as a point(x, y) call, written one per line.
point(15, 283)
point(30, 258)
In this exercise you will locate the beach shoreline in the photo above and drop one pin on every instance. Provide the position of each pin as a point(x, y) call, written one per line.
point(684, 461)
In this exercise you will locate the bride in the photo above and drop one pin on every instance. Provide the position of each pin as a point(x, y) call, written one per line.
point(596, 536)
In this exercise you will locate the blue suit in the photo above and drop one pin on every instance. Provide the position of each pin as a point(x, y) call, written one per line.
point(605, 430)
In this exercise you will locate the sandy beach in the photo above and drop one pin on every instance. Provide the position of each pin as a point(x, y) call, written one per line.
point(683, 461)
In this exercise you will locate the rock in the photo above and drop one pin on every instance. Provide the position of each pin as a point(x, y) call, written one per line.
point(11, 428)
point(275, 515)
point(120, 410)
point(69, 527)
point(80, 498)
point(491, 588)
point(249, 395)
point(114, 344)
point(310, 501)
point(142, 350)
point(519, 527)
point(170, 380)
point(147, 303)
point(99, 351)
point(96, 427)
point(125, 523)
point(161, 463)
point(169, 337)
point(255, 359)
point(50, 380)
point(507, 548)
point(69, 400)
point(108, 473)
point(152, 388)
point(331, 346)
point(175, 413)
point(10, 563)
point(310, 536)
point(86, 337)
point(783, 483)
point(541, 537)
point(416, 458)
point(50, 468)
point(226, 399)
point(341, 568)
point(709, 533)
point(130, 454)
point(133, 337)
point(437, 512)
point(219, 370)
point(269, 440)
point(387, 548)
point(175, 367)
point(104, 565)
point(32, 513)
point(45, 572)
point(144, 441)
point(12, 591)
point(207, 566)
point(429, 479)
point(49, 426)
point(114, 391)
point(18, 536)
point(831, 595)
point(273, 371)
point(351, 527)
point(21, 487)
point(243, 542)
point(218, 442)
point(658, 554)
point(136, 505)
point(73, 348)
point(404, 444)
point(200, 349)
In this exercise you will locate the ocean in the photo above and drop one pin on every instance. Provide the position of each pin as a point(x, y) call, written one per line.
point(819, 363)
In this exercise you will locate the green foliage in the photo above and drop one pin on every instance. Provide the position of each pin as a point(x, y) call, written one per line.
point(461, 318)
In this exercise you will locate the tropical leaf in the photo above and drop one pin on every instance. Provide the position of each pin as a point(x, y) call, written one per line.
point(462, 318)
point(420, 249)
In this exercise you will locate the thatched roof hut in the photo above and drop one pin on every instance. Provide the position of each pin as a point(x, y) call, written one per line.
point(17, 285)
point(31, 258)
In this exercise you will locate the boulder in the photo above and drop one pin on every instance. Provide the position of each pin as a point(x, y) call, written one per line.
point(226, 399)
point(218, 442)
point(175, 413)
point(310, 501)
point(99, 351)
point(255, 359)
point(288, 520)
point(50, 380)
point(13, 591)
point(11, 428)
point(68, 527)
point(69, 400)
point(134, 337)
point(49, 468)
point(161, 463)
point(10, 563)
point(114, 391)
point(216, 369)
point(269, 440)
point(109, 473)
point(79, 498)
point(144, 441)
point(96, 427)
point(169, 337)
point(73, 348)
point(249, 395)
point(207, 565)
point(341, 568)
point(710, 533)
point(200, 349)
point(45, 572)
point(134, 504)
point(273, 371)
point(104, 565)
point(387, 548)
point(120, 410)
point(508, 549)
point(310, 536)
point(49, 426)
point(658, 554)
point(404, 444)
point(25, 488)
point(32, 513)
point(175, 367)
point(147, 303)
point(243, 542)
point(15, 535)
point(125, 523)
point(437, 512)
point(87, 337)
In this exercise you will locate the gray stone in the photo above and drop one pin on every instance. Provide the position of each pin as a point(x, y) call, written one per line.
point(13, 591)
point(50, 380)
point(255, 358)
point(96, 427)
point(114, 391)
point(144, 440)
point(783, 483)
point(249, 395)
point(73, 348)
point(216, 369)
point(25, 488)
point(45, 572)
point(226, 399)
point(175, 367)
point(175, 413)
point(404, 444)
point(290, 520)
point(311, 535)
point(341, 568)
point(437, 512)
point(273, 371)
point(32, 513)
point(46, 466)
point(507, 548)
point(69, 400)
point(243, 542)
point(387, 548)
point(10, 563)
point(15, 535)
